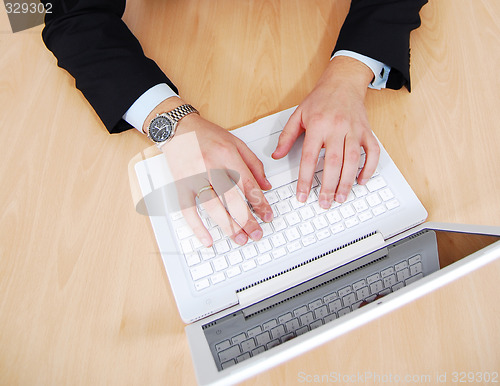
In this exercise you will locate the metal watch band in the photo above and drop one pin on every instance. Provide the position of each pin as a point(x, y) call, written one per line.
point(180, 112)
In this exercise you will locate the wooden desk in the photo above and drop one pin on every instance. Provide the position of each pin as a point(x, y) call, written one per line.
point(83, 295)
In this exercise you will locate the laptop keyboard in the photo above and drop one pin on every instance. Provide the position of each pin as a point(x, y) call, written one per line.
point(295, 226)
point(306, 317)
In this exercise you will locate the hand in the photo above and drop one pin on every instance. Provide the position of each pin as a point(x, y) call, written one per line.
point(333, 116)
point(203, 154)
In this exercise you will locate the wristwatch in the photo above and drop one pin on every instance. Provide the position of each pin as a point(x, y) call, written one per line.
point(162, 128)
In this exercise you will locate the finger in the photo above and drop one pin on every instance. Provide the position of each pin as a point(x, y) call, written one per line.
point(234, 203)
point(254, 164)
point(212, 204)
point(308, 162)
point(334, 157)
point(352, 153)
point(250, 189)
point(190, 214)
point(289, 135)
point(372, 150)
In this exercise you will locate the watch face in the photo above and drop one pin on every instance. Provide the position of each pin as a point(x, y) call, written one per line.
point(160, 129)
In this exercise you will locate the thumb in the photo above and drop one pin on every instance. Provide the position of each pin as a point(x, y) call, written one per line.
point(288, 136)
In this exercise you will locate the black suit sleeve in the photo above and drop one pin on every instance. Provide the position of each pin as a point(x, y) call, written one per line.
point(380, 29)
point(90, 41)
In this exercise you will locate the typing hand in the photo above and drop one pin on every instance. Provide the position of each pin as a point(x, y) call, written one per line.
point(208, 161)
point(333, 116)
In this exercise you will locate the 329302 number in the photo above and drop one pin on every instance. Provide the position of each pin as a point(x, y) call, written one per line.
point(25, 8)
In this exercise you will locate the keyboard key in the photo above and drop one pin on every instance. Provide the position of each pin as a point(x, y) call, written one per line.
point(359, 190)
point(248, 345)
point(218, 277)
point(284, 192)
point(280, 252)
point(258, 350)
point(294, 246)
point(306, 229)
point(278, 224)
point(359, 284)
point(389, 281)
point(337, 228)
point(386, 194)
point(264, 245)
point(277, 332)
point(306, 213)
point(302, 330)
point(401, 265)
point(300, 311)
point(222, 345)
point(347, 211)
point(363, 293)
point(233, 271)
point(200, 271)
point(273, 343)
point(249, 251)
point(263, 259)
point(238, 338)
point(271, 197)
point(292, 218)
point(267, 229)
point(349, 300)
point(316, 324)
point(219, 263)
point(248, 265)
point(308, 240)
point(403, 274)
point(307, 318)
point(222, 246)
point(343, 311)
point(201, 284)
point(277, 240)
point(243, 357)
point(283, 207)
point(391, 204)
point(415, 268)
point(192, 259)
point(320, 222)
point(234, 257)
point(365, 216)
point(387, 272)
point(318, 209)
point(413, 278)
point(292, 234)
point(269, 324)
point(376, 183)
point(184, 232)
point(292, 325)
point(287, 337)
point(263, 339)
point(330, 297)
point(373, 278)
point(351, 221)
point(285, 318)
point(229, 353)
point(315, 304)
point(254, 331)
point(378, 210)
point(376, 287)
point(323, 234)
point(227, 364)
point(186, 246)
point(207, 253)
point(415, 259)
point(335, 305)
point(330, 317)
point(360, 205)
point(344, 291)
point(321, 312)
point(373, 199)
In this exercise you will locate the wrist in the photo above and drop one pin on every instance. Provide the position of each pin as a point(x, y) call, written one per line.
point(344, 71)
point(167, 105)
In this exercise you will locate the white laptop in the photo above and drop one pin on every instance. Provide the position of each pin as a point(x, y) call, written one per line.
point(254, 306)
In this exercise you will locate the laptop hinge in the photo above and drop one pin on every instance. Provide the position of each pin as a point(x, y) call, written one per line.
point(290, 278)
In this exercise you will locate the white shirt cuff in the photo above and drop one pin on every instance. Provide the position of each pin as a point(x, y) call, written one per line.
point(142, 107)
point(380, 70)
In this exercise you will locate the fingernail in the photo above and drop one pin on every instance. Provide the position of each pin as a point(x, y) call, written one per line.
point(268, 216)
point(301, 197)
point(340, 198)
point(240, 239)
point(256, 234)
point(325, 204)
point(268, 183)
point(206, 242)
